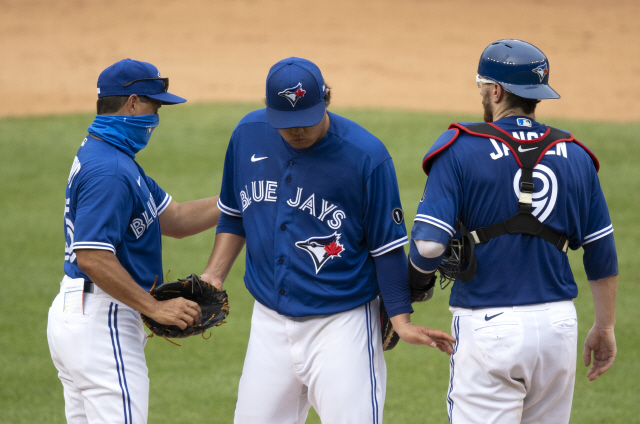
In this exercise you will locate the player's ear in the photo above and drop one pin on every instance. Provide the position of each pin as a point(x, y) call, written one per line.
point(497, 93)
point(133, 103)
point(327, 97)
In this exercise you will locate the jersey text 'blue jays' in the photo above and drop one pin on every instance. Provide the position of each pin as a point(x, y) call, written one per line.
point(329, 209)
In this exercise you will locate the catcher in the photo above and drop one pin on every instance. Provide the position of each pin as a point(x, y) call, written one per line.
point(213, 303)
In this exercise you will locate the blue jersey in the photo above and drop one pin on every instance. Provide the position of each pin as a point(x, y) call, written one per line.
point(476, 180)
point(313, 218)
point(112, 205)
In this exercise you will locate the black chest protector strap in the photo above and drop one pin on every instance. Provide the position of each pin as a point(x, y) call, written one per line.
point(528, 154)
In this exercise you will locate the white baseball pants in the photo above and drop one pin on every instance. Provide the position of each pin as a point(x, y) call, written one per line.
point(331, 362)
point(100, 360)
point(513, 365)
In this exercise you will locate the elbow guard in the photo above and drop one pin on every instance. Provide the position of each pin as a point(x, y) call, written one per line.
point(421, 284)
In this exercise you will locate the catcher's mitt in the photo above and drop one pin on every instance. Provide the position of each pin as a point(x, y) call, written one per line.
point(214, 304)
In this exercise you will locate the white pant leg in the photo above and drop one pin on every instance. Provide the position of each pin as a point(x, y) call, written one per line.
point(269, 391)
point(333, 362)
point(506, 368)
point(73, 400)
point(343, 365)
point(486, 384)
point(551, 393)
point(100, 360)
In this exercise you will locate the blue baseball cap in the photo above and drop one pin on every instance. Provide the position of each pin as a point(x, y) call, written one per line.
point(128, 77)
point(295, 94)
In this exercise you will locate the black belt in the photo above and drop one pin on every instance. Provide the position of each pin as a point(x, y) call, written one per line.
point(88, 287)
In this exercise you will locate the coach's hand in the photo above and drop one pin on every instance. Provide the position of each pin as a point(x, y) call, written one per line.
point(211, 280)
point(417, 334)
point(602, 342)
point(180, 312)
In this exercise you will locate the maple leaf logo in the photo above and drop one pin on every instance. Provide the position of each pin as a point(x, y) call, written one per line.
point(322, 248)
point(300, 92)
point(333, 249)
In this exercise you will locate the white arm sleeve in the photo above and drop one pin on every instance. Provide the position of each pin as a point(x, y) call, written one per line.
point(429, 249)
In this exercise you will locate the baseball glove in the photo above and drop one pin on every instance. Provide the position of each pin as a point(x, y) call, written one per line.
point(214, 304)
point(389, 336)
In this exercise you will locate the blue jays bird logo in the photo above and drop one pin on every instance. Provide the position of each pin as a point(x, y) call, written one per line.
point(293, 94)
point(322, 249)
point(542, 71)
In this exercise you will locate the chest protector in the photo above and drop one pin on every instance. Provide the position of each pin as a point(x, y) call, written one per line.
point(459, 261)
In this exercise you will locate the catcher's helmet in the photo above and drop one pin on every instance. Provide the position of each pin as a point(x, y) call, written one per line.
point(521, 68)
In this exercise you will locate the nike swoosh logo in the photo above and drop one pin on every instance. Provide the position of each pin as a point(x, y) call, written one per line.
point(138, 180)
point(255, 159)
point(521, 150)
point(486, 318)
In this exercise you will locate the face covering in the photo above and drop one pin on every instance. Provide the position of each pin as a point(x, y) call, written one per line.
point(127, 133)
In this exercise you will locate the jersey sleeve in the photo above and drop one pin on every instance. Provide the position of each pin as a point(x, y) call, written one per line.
point(392, 270)
point(228, 203)
point(599, 223)
point(160, 197)
point(230, 224)
point(600, 258)
point(103, 210)
point(441, 202)
point(383, 218)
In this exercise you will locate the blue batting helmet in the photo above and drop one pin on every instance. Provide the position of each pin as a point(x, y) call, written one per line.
point(521, 68)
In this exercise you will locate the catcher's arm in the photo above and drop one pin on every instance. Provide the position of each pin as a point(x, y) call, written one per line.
point(427, 254)
point(185, 219)
point(104, 270)
point(601, 339)
point(226, 249)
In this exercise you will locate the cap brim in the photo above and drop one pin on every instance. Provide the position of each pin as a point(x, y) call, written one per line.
point(309, 117)
point(539, 92)
point(167, 98)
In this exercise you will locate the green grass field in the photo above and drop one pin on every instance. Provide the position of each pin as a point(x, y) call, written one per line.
point(197, 383)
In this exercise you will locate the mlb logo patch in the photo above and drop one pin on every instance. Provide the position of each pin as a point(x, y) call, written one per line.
point(322, 249)
point(293, 94)
point(542, 71)
point(524, 122)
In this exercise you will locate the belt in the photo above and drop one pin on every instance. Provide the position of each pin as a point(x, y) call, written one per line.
point(88, 287)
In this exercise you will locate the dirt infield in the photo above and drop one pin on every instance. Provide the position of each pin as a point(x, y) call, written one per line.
point(407, 54)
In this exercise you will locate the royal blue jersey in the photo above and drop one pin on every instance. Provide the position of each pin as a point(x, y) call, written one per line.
point(476, 180)
point(111, 204)
point(313, 219)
